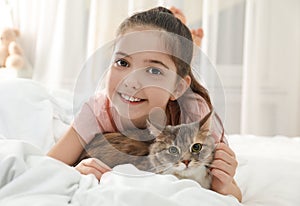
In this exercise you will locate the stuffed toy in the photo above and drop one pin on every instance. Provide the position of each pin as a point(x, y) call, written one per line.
point(11, 54)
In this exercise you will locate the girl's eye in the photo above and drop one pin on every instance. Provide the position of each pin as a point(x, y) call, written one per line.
point(122, 63)
point(153, 70)
point(173, 150)
point(195, 148)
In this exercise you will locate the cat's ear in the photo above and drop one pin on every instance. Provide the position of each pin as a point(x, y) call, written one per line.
point(212, 124)
point(156, 121)
point(154, 128)
point(218, 127)
point(206, 122)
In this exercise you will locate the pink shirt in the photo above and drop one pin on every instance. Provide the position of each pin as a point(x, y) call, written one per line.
point(95, 115)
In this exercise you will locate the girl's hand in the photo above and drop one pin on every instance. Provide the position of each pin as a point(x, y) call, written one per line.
point(92, 166)
point(223, 170)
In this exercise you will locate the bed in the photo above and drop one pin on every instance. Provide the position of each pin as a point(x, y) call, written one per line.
point(32, 119)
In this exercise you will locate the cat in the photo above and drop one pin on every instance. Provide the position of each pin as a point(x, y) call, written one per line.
point(185, 150)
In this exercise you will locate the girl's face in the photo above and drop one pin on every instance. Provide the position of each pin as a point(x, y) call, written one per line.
point(139, 82)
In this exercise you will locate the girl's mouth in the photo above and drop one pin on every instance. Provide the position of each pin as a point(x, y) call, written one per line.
point(130, 99)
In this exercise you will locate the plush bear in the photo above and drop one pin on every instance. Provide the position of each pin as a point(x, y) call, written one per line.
point(11, 54)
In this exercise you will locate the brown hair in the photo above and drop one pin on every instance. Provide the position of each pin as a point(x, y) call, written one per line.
point(163, 19)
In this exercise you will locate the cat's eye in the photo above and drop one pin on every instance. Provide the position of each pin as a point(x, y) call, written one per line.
point(195, 148)
point(173, 150)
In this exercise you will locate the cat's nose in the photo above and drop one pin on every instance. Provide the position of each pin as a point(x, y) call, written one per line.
point(186, 162)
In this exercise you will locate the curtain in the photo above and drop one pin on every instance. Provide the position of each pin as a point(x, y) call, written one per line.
point(53, 36)
point(258, 63)
point(271, 79)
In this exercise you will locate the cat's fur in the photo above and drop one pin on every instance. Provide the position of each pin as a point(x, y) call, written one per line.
point(149, 150)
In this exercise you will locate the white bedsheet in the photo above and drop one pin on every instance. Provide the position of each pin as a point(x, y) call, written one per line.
point(27, 177)
point(269, 169)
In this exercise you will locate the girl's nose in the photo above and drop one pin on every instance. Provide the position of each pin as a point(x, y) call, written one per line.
point(132, 83)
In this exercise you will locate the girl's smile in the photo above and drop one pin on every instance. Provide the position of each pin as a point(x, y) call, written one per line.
point(131, 99)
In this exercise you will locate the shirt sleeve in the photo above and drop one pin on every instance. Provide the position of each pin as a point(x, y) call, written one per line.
point(85, 123)
point(93, 118)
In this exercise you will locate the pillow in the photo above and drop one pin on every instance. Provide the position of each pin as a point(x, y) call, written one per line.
point(26, 112)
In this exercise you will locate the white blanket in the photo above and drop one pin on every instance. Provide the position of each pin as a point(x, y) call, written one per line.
point(27, 177)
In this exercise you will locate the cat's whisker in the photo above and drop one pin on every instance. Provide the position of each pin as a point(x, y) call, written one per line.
point(209, 172)
point(158, 168)
point(208, 166)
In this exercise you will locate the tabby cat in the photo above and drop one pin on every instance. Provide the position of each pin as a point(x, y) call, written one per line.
point(184, 150)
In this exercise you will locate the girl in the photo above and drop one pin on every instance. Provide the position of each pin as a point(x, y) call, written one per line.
point(150, 77)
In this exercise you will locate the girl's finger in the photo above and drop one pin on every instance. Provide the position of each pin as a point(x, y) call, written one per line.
point(223, 177)
point(226, 148)
point(96, 164)
point(89, 170)
point(222, 155)
point(223, 166)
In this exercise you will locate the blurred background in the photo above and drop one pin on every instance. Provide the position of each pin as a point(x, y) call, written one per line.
point(254, 45)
